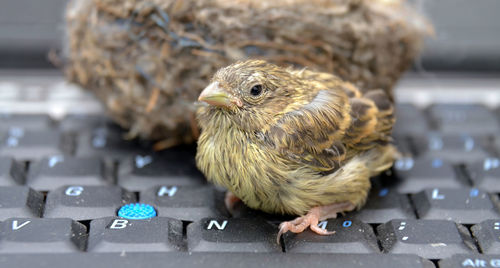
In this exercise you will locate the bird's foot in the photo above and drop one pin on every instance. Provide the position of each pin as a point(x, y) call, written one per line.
point(312, 218)
point(298, 225)
point(230, 201)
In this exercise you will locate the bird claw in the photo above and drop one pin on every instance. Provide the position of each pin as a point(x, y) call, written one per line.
point(312, 218)
point(298, 225)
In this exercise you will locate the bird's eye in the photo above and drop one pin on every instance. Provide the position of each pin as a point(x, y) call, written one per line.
point(256, 90)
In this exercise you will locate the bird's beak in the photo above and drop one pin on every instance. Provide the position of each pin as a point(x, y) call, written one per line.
point(214, 95)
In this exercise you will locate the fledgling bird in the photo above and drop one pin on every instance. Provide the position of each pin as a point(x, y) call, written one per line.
point(292, 141)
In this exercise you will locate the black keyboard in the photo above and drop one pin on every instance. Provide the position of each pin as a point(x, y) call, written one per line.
point(70, 190)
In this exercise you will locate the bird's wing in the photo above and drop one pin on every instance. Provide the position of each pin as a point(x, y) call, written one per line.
point(332, 127)
point(372, 120)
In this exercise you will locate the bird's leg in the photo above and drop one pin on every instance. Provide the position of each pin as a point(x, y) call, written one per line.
point(312, 218)
point(230, 201)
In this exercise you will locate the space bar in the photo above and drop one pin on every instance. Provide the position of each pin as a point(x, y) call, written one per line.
point(207, 260)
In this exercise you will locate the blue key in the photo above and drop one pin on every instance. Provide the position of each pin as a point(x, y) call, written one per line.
point(137, 211)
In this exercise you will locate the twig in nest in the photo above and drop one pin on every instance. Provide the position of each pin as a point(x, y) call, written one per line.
point(285, 58)
point(107, 9)
point(165, 144)
point(205, 53)
point(200, 40)
point(152, 100)
point(194, 126)
point(298, 49)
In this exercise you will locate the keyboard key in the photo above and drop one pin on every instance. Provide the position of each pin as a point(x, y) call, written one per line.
point(465, 206)
point(431, 239)
point(487, 234)
point(31, 145)
point(403, 145)
point(86, 202)
point(213, 260)
point(485, 175)
point(108, 142)
point(410, 121)
point(168, 168)
point(112, 234)
point(20, 201)
point(232, 235)
point(351, 236)
point(240, 210)
point(77, 123)
point(37, 122)
point(472, 119)
point(470, 260)
point(9, 91)
point(383, 205)
point(11, 172)
point(31, 235)
point(496, 142)
point(56, 171)
point(415, 175)
point(456, 149)
point(188, 203)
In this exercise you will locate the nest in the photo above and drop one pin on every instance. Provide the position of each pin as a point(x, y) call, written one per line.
point(148, 60)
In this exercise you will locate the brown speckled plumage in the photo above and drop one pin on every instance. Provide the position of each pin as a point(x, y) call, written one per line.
point(309, 139)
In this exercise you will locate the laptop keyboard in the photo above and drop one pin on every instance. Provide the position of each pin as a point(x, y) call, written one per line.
point(64, 182)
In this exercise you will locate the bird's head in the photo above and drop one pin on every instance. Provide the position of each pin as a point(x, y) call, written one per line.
point(251, 93)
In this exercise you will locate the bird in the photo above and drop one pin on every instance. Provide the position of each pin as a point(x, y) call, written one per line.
point(293, 141)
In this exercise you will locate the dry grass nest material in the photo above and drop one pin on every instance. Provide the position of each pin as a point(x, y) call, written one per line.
point(148, 60)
